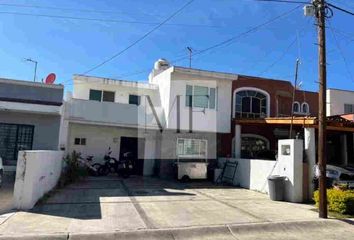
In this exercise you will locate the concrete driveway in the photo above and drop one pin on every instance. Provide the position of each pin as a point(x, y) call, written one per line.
point(6, 198)
point(111, 205)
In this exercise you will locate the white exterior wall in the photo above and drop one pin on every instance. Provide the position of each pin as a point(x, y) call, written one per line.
point(37, 173)
point(213, 120)
point(336, 100)
point(118, 113)
point(163, 80)
point(122, 89)
point(252, 173)
point(100, 138)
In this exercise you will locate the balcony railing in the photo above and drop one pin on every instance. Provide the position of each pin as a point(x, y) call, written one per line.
point(112, 113)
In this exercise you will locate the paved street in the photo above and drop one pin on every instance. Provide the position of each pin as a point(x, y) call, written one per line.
point(110, 205)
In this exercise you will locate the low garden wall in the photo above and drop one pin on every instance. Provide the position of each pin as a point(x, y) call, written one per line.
point(37, 173)
point(251, 173)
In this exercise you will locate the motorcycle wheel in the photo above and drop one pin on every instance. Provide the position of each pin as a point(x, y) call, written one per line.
point(103, 171)
point(97, 168)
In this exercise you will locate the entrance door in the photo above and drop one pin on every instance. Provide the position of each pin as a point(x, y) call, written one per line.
point(13, 138)
point(136, 148)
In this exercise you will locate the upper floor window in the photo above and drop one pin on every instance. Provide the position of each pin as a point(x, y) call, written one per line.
point(134, 99)
point(296, 107)
point(101, 96)
point(348, 108)
point(305, 107)
point(251, 103)
point(198, 96)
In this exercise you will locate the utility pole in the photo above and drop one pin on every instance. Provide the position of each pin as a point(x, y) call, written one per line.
point(293, 100)
point(322, 133)
point(35, 67)
point(190, 50)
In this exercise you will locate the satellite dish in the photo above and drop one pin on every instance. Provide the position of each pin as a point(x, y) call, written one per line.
point(50, 78)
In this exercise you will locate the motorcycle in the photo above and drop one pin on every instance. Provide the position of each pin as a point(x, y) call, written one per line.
point(126, 165)
point(92, 169)
point(111, 164)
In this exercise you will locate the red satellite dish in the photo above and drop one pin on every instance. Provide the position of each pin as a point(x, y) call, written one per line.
point(50, 78)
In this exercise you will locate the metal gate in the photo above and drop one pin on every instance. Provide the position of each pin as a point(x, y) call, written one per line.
point(13, 138)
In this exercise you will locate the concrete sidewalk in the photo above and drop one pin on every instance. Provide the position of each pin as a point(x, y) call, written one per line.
point(142, 207)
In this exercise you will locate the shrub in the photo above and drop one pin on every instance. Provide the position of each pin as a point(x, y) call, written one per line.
point(341, 201)
point(72, 169)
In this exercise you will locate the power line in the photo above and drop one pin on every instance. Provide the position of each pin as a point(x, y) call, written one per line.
point(340, 9)
point(253, 29)
point(280, 58)
point(227, 41)
point(67, 9)
point(139, 39)
point(344, 34)
point(345, 4)
point(104, 20)
point(340, 51)
point(282, 1)
point(296, 39)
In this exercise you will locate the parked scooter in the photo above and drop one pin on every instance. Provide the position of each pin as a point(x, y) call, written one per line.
point(128, 163)
point(93, 169)
point(110, 164)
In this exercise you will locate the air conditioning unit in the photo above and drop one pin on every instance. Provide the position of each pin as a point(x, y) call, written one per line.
point(309, 10)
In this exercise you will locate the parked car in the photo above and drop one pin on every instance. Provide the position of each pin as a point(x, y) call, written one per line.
point(1, 172)
point(341, 174)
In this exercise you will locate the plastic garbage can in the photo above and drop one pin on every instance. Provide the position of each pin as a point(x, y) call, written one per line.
point(276, 187)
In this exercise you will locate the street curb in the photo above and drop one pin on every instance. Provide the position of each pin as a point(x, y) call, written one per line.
point(231, 231)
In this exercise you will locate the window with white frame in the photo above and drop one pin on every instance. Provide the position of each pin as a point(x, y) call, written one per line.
point(251, 104)
point(296, 107)
point(305, 107)
point(348, 108)
point(192, 148)
point(200, 96)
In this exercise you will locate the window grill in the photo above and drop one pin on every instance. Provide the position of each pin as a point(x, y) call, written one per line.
point(14, 138)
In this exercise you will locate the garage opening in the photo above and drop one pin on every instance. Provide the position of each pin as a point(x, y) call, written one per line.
point(133, 148)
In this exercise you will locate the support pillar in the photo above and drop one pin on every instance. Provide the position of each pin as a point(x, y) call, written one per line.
point(310, 151)
point(344, 149)
point(238, 141)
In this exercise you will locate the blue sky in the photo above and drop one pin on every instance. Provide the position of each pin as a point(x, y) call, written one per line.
point(68, 47)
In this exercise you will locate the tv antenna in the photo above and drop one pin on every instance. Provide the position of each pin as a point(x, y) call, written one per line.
point(190, 50)
point(35, 67)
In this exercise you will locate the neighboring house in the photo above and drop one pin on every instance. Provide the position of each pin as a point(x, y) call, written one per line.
point(258, 98)
point(29, 118)
point(203, 115)
point(339, 102)
point(179, 114)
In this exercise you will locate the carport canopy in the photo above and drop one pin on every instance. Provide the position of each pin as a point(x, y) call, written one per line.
point(343, 123)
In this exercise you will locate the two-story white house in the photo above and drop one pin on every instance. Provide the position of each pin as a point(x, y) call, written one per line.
point(178, 114)
point(339, 102)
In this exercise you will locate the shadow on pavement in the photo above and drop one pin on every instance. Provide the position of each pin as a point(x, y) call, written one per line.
point(87, 198)
point(6, 196)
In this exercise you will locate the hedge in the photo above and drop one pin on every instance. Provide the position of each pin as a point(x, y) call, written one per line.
point(341, 201)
